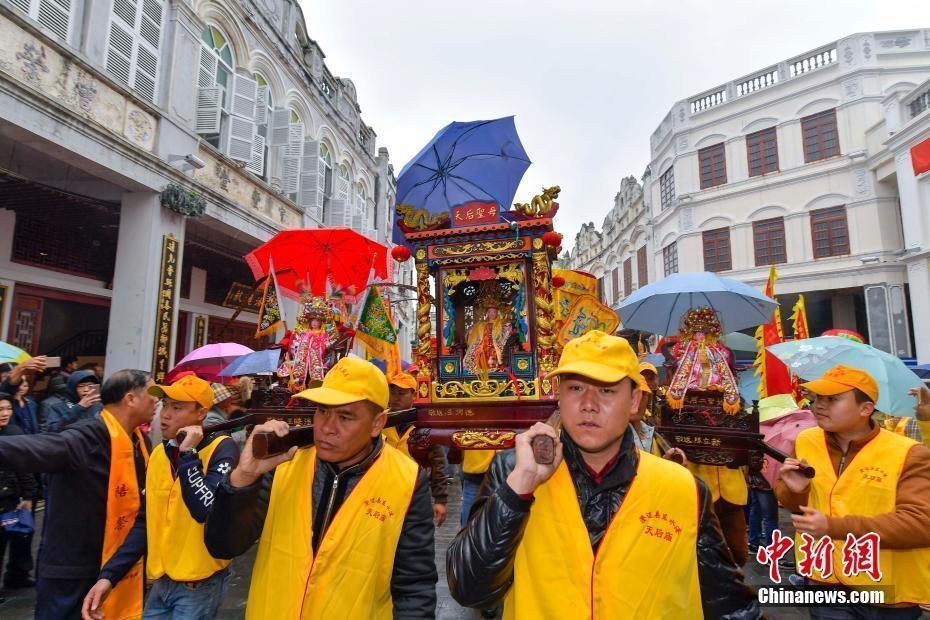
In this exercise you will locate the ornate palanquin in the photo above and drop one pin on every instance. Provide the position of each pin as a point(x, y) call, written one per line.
point(486, 333)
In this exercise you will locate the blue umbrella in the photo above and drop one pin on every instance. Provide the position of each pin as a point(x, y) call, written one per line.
point(658, 308)
point(812, 357)
point(479, 161)
point(253, 363)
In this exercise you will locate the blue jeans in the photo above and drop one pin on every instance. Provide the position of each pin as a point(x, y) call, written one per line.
point(469, 491)
point(174, 600)
point(763, 516)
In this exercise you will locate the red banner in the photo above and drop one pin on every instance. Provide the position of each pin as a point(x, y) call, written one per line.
point(920, 157)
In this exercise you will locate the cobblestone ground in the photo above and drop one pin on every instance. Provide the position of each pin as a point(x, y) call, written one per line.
point(19, 604)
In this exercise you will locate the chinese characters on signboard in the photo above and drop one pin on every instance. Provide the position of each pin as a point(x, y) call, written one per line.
point(200, 331)
point(244, 297)
point(474, 213)
point(164, 317)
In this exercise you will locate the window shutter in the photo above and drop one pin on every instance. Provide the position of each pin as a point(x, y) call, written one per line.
point(261, 105)
point(280, 127)
point(207, 76)
point(338, 213)
point(257, 164)
point(132, 51)
point(56, 16)
point(53, 14)
point(310, 197)
point(358, 220)
point(244, 91)
point(119, 53)
point(238, 137)
point(342, 188)
point(293, 153)
point(208, 110)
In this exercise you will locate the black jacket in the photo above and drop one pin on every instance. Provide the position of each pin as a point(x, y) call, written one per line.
point(60, 411)
point(15, 486)
point(238, 515)
point(78, 461)
point(479, 563)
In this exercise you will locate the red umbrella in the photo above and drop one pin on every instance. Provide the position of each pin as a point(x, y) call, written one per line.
point(305, 259)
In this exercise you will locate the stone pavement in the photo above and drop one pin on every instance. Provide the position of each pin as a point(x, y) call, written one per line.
point(20, 603)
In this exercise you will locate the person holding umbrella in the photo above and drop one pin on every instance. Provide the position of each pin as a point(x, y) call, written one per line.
point(869, 482)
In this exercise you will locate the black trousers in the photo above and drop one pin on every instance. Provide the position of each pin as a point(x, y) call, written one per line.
point(61, 599)
point(19, 564)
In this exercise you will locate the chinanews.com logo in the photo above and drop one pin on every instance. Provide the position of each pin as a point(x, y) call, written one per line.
point(815, 564)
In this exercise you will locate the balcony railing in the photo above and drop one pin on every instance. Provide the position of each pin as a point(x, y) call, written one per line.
point(767, 78)
point(812, 62)
point(918, 101)
point(705, 102)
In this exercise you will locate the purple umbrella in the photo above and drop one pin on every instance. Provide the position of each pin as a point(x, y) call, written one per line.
point(209, 360)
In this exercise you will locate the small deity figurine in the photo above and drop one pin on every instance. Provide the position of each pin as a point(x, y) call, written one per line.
point(703, 365)
point(313, 335)
point(487, 340)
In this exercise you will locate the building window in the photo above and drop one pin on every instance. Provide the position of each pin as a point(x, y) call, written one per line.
point(326, 159)
point(628, 277)
point(762, 150)
point(713, 164)
point(667, 187)
point(53, 14)
point(670, 258)
point(641, 267)
point(216, 62)
point(830, 232)
point(820, 136)
point(717, 250)
point(262, 119)
point(133, 46)
point(342, 183)
point(602, 289)
point(768, 238)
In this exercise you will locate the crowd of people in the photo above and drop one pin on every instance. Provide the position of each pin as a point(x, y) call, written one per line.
point(144, 511)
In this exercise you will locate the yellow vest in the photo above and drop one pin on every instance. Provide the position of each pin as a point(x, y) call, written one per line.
point(645, 566)
point(866, 487)
point(350, 575)
point(175, 539)
point(477, 461)
point(730, 484)
point(395, 440)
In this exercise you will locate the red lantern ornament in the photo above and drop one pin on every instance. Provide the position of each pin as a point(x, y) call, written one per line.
point(558, 281)
point(552, 239)
point(400, 253)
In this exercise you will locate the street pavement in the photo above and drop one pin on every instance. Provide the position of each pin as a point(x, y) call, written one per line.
point(19, 604)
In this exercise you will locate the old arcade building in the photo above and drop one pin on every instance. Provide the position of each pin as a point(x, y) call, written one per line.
point(145, 146)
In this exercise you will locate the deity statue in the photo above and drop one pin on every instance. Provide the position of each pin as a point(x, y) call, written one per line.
point(489, 336)
point(703, 365)
point(313, 335)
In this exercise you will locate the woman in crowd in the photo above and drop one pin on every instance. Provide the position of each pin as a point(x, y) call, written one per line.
point(17, 489)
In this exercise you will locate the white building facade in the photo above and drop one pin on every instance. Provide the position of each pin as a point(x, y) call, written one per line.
point(806, 165)
point(126, 124)
point(620, 254)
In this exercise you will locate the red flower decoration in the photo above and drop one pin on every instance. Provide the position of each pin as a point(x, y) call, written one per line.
point(558, 281)
point(400, 253)
point(552, 239)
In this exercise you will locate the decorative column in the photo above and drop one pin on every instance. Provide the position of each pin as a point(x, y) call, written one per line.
point(143, 311)
point(542, 282)
point(424, 354)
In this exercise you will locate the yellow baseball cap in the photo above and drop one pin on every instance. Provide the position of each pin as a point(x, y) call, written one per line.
point(841, 379)
point(402, 380)
point(601, 357)
point(351, 380)
point(189, 388)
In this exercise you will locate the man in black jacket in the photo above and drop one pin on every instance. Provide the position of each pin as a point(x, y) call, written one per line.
point(78, 461)
point(346, 526)
point(535, 525)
